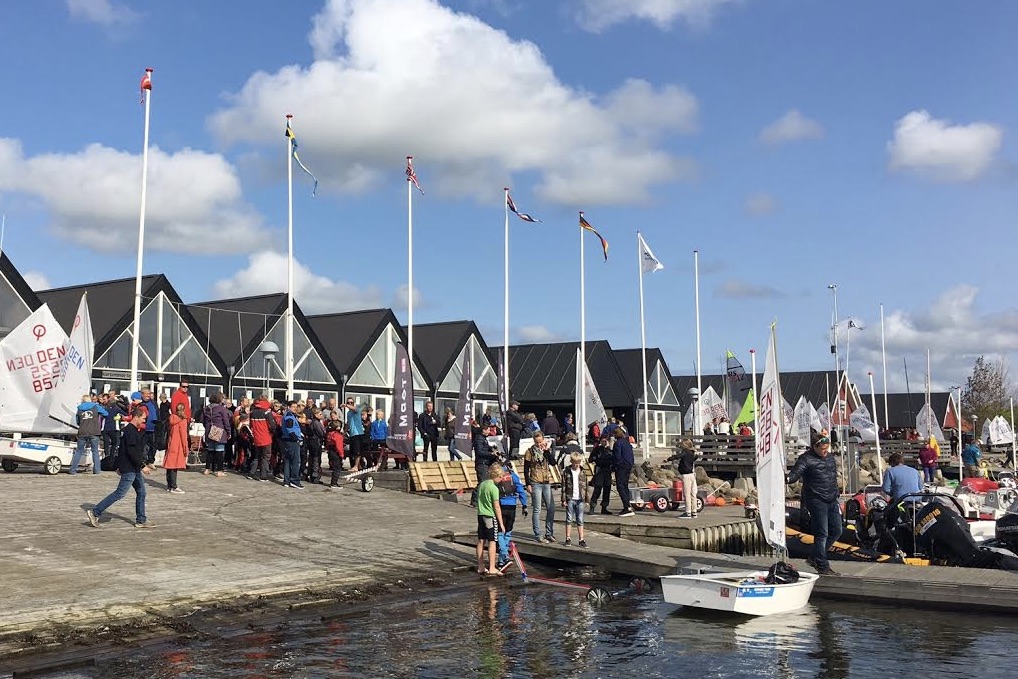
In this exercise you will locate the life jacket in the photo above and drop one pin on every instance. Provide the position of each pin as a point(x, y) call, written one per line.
point(506, 487)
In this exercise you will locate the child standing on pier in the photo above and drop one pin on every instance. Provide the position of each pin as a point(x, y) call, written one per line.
point(574, 496)
point(489, 520)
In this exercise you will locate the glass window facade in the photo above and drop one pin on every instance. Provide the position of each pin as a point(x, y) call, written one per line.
point(308, 366)
point(378, 367)
point(166, 344)
point(485, 380)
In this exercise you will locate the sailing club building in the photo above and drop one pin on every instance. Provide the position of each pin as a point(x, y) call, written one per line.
point(238, 347)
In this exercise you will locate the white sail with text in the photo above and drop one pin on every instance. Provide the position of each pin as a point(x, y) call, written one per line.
point(75, 368)
point(465, 407)
point(770, 453)
point(594, 408)
point(30, 358)
point(401, 420)
point(926, 424)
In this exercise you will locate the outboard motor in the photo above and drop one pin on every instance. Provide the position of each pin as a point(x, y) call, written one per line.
point(1007, 529)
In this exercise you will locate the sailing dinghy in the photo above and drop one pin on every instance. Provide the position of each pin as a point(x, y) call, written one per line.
point(781, 589)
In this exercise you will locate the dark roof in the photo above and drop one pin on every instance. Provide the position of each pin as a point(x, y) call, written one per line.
point(630, 363)
point(438, 345)
point(546, 373)
point(812, 384)
point(348, 337)
point(17, 281)
point(902, 408)
point(239, 325)
point(110, 305)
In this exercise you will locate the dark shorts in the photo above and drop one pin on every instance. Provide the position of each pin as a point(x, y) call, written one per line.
point(486, 528)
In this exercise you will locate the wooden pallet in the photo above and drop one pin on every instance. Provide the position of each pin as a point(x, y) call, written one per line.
point(459, 475)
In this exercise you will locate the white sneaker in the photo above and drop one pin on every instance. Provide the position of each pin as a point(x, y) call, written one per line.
point(178, 491)
point(628, 513)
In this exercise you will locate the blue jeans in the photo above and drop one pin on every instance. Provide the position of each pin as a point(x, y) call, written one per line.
point(542, 496)
point(127, 480)
point(453, 454)
point(79, 451)
point(929, 474)
point(826, 525)
point(291, 462)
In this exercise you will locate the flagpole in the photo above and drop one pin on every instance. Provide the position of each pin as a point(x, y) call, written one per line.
point(410, 268)
point(147, 92)
point(756, 422)
point(873, 400)
point(289, 263)
point(505, 321)
point(1014, 460)
point(929, 380)
point(961, 441)
point(643, 350)
point(883, 359)
point(697, 424)
point(582, 429)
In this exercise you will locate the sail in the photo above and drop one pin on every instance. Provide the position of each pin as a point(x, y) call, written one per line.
point(737, 383)
point(465, 406)
point(787, 413)
point(814, 418)
point(824, 417)
point(801, 420)
point(711, 405)
point(926, 424)
point(862, 422)
point(592, 409)
point(75, 368)
point(747, 414)
point(984, 432)
point(401, 419)
point(770, 453)
point(1000, 431)
point(30, 359)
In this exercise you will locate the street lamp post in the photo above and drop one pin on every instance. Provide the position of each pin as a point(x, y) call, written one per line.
point(342, 387)
point(833, 287)
point(268, 350)
point(694, 395)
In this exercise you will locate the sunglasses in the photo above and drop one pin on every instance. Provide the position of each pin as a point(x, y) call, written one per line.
point(823, 439)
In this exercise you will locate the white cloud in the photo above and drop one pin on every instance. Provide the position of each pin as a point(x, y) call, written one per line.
point(738, 289)
point(470, 103)
point(535, 334)
point(401, 298)
point(952, 328)
point(941, 151)
point(36, 280)
point(596, 15)
point(194, 203)
point(266, 273)
point(760, 204)
point(102, 12)
point(793, 126)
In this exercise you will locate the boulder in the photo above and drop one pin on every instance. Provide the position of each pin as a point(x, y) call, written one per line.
point(744, 483)
point(701, 475)
point(869, 463)
point(735, 493)
point(715, 483)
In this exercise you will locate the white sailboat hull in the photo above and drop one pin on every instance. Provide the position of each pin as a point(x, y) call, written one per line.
point(738, 592)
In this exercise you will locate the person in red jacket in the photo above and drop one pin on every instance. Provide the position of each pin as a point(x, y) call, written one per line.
point(180, 396)
point(263, 425)
point(334, 446)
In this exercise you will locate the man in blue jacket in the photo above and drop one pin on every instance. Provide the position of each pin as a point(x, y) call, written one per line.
point(150, 425)
point(89, 416)
point(292, 436)
point(622, 452)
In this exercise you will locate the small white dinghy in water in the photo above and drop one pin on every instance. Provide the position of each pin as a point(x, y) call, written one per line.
point(782, 589)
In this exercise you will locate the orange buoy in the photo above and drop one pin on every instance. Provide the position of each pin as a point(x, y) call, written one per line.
point(720, 502)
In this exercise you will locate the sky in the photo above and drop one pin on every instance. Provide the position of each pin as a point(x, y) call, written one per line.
point(795, 144)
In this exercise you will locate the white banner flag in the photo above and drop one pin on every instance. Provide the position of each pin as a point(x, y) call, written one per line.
point(592, 408)
point(824, 417)
point(770, 454)
point(861, 421)
point(648, 262)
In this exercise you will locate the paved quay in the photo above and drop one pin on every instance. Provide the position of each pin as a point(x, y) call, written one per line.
point(225, 538)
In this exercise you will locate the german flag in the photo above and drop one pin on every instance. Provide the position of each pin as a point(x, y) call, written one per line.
point(584, 224)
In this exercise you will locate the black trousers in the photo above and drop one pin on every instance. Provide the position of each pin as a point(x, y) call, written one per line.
point(314, 464)
point(171, 479)
point(148, 446)
point(602, 483)
point(431, 441)
point(336, 465)
point(622, 473)
point(263, 455)
point(111, 442)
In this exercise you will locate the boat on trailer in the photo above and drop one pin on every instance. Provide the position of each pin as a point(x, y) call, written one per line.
point(781, 589)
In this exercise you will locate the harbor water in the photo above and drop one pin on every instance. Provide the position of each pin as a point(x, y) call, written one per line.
point(498, 630)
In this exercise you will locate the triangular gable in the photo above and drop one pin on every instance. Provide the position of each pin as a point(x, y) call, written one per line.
point(659, 386)
point(378, 366)
point(485, 379)
point(308, 365)
point(174, 350)
point(16, 299)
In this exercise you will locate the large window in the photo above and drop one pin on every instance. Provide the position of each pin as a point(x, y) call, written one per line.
point(484, 378)
point(379, 366)
point(308, 366)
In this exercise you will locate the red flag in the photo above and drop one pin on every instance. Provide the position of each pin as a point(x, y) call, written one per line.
point(146, 83)
point(411, 176)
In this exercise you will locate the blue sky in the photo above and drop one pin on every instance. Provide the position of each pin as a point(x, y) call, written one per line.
point(794, 143)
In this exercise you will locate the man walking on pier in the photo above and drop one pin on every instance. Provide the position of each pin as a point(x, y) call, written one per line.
point(622, 451)
point(819, 473)
point(132, 469)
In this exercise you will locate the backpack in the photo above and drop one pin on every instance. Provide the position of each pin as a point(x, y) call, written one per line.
point(782, 573)
point(109, 463)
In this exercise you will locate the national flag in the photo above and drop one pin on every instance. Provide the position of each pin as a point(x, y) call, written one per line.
point(512, 208)
point(584, 224)
point(411, 176)
point(146, 83)
point(648, 262)
point(293, 152)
